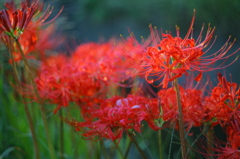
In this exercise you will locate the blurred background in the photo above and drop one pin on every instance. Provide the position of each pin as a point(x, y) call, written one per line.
point(99, 20)
point(93, 19)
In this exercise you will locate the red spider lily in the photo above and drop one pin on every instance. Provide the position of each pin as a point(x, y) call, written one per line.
point(191, 100)
point(88, 58)
point(14, 21)
point(218, 149)
point(233, 133)
point(102, 61)
point(35, 41)
point(229, 152)
point(171, 57)
point(50, 83)
point(222, 107)
point(60, 82)
point(127, 53)
point(84, 76)
point(223, 104)
point(229, 149)
point(116, 115)
point(232, 148)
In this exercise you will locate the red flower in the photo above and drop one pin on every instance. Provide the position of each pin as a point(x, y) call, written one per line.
point(231, 148)
point(21, 24)
point(191, 100)
point(103, 61)
point(229, 152)
point(233, 133)
point(117, 114)
point(14, 21)
point(60, 83)
point(171, 57)
point(223, 104)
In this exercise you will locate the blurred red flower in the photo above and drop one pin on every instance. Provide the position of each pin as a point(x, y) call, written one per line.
point(191, 100)
point(116, 115)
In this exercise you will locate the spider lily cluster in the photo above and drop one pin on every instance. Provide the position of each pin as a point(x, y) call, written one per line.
point(95, 77)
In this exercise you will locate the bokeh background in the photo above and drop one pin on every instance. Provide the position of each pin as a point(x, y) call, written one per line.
point(99, 20)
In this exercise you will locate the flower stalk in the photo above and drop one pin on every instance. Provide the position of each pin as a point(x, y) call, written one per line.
point(136, 144)
point(61, 135)
point(160, 144)
point(119, 150)
point(160, 133)
point(127, 150)
point(50, 145)
point(180, 121)
point(26, 109)
point(209, 138)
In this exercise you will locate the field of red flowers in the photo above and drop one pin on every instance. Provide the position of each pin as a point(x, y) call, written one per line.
point(169, 94)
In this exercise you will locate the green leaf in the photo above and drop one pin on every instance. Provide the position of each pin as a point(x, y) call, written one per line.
point(7, 152)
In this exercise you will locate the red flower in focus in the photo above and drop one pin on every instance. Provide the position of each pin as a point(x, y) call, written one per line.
point(172, 56)
point(116, 115)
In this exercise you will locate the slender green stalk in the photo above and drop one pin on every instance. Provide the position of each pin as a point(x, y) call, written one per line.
point(49, 141)
point(160, 144)
point(34, 136)
point(160, 134)
point(26, 109)
point(100, 148)
point(136, 144)
point(209, 138)
point(119, 150)
point(180, 121)
point(61, 136)
point(128, 149)
point(171, 142)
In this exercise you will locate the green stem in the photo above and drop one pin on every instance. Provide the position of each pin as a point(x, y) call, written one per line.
point(26, 109)
point(31, 128)
point(171, 142)
point(119, 150)
point(49, 141)
point(160, 134)
point(136, 144)
point(128, 149)
point(101, 148)
point(209, 138)
point(160, 144)
point(180, 121)
point(61, 136)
